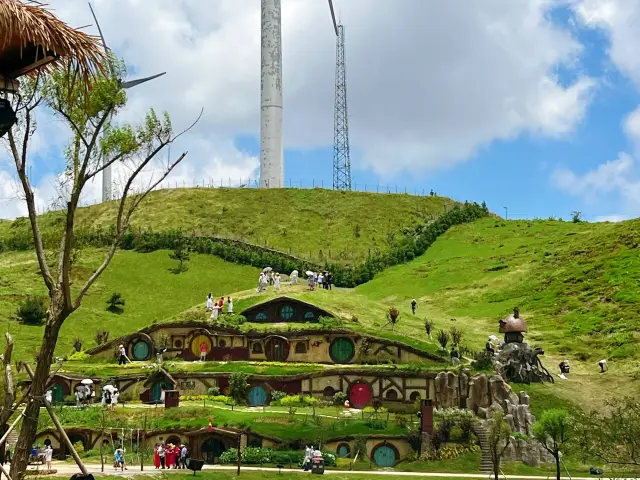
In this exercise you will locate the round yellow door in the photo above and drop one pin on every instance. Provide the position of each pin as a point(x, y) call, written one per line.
point(197, 342)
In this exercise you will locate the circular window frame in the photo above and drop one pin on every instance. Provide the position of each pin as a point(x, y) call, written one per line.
point(287, 307)
point(343, 444)
point(261, 317)
point(385, 444)
point(396, 395)
point(133, 349)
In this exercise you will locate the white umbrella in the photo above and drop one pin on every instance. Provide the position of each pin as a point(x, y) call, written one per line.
point(267, 269)
point(295, 272)
point(493, 337)
point(309, 273)
point(109, 388)
point(87, 381)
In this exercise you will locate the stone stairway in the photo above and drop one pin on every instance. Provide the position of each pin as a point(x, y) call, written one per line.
point(12, 439)
point(486, 466)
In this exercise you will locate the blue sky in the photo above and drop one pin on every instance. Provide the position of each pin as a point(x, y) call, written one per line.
point(530, 105)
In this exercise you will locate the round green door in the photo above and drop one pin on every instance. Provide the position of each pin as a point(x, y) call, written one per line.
point(57, 393)
point(343, 450)
point(384, 456)
point(257, 396)
point(140, 350)
point(342, 350)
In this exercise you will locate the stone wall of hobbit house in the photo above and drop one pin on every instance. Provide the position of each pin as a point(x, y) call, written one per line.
point(184, 339)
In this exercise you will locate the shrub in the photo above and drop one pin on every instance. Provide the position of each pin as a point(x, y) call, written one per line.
point(428, 327)
point(443, 338)
point(77, 344)
point(32, 311)
point(248, 456)
point(456, 335)
point(115, 303)
point(102, 337)
point(213, 391)
point(576, 217)
point(277, 395)
point(339, 398)
point(393, 316)
point(483, 360)
point(239, 387)
point(79, 357)
point(402, 420)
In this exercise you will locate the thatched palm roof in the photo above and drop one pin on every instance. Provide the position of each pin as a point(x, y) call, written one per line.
point(32, 38)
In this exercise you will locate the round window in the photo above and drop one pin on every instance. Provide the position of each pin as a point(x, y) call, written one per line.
point(286, 312)
point(222, 343)
point(261, 317)
point(178, 343)
point(309, 316)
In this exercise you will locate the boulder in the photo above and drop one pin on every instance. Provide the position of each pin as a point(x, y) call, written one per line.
point(501, 391)
point(447, 390)
point(479, 395)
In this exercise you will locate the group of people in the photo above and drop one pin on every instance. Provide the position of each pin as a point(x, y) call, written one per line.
point(320, 280)
point(309, 454)
point(266, 278)
point(216, 307)
point(168, 456)
point(110, 396)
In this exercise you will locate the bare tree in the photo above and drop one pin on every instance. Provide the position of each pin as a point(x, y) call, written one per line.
point(96, 143)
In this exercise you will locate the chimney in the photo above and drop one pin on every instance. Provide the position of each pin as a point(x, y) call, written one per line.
point(426, 411)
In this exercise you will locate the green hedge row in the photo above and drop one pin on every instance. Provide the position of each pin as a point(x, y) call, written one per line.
point(410, 245)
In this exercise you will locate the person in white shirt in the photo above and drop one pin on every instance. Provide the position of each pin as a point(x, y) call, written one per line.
point(229, 305)
point(276, 282)
point(114, 399)
point(603, 365)
point(209, 302)
point(48, 455)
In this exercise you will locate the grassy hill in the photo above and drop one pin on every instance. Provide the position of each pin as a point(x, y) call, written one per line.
point(313, 224)
point(576, 284)
point(151, 292)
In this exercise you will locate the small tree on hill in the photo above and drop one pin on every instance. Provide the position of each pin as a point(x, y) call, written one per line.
point(393, 316)
point(239, 387)
point(181, 254)
point(456, 336)
point(428, 327)
point(115, 303)
point(443, 339)
point(576, 217)
point(552, 430)
point(77, 344)
point(32, 311)
point(499, 438)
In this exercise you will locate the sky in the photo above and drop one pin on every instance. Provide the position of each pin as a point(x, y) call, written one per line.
point(532, 105)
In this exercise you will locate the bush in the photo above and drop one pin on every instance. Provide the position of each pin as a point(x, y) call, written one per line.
point(339, 398)
point(483, 360)
point(276, 396)
point(443, 339)
point(32, 311)
point(115, 303)
point(77, 344)
point(295, 400)
point(239, 387)
point(102, 336)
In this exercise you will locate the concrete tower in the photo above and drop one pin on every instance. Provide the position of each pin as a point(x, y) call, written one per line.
point(271, 146)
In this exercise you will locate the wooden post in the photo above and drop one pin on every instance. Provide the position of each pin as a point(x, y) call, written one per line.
point(144, 436)
point(102, 444)
point(65, 438)
point(239, 452)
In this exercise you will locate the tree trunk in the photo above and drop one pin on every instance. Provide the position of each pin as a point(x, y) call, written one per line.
point(557, 457)
point(496, 472)
point(28, 432)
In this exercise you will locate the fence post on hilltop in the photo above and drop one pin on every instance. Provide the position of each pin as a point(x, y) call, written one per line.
point(313, 183)
point(220, 181)
point(323, 183)
point(378, 188)
point(365, 187)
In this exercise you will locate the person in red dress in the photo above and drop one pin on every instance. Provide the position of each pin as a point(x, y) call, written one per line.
point(220, 305)
point(169, 455)
point(156, 457)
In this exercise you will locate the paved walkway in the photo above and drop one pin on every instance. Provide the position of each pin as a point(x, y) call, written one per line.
point(65, 469)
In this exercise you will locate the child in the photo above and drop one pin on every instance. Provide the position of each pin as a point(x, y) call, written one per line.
point(276, 282)
point(203, 351)
point(114, 399)
point(48, 454)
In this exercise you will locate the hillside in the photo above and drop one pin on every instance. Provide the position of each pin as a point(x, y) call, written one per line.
point(315, 224)
point(576, 284)
point(151, 292)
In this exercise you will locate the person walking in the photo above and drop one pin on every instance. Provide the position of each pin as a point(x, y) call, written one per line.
point(229, 306)
point(209, 302)
point(114, 399)
point(220, 305)
point(276, 282)
point(203, 351)
point(156, 457)
point(161, 454)
point(414, 304)
point(48, 455)
point(183, 456)
point(123, 356)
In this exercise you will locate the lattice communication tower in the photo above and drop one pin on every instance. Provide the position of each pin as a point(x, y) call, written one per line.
point(341, 153)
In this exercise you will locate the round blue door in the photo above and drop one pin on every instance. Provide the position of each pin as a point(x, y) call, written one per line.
point(140, 350)
point(384, 456)
point(257, 396)
point(343, 450)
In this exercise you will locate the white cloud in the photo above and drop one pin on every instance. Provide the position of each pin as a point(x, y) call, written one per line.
point(611, 218)
point(430, 83)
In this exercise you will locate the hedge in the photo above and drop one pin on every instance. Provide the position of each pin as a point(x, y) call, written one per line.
point(410, 246)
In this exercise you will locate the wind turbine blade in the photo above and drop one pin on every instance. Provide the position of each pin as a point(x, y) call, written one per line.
point(104, 44)
point(133, 83)
point(333, 17)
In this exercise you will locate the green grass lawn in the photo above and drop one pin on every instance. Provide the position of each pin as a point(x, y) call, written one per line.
point(312, 224)
point(151, 292)
point(576, 284)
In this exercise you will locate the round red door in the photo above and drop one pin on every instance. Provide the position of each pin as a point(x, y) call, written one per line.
point(360, 395)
